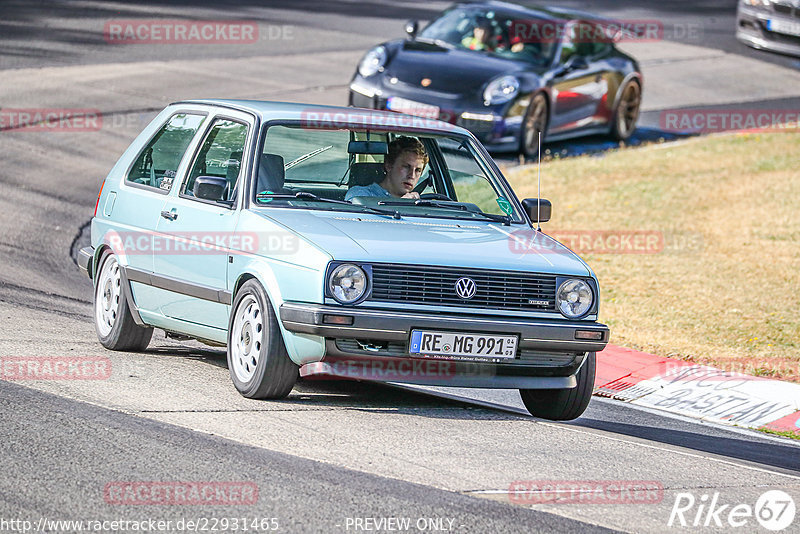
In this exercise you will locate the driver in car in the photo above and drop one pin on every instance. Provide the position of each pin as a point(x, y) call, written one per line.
point(403, 164)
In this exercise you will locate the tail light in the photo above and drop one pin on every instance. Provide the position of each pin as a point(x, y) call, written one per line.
point(97, 202)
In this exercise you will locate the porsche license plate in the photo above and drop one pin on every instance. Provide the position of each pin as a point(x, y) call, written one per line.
point(462, 344)
point(784, 26)
point(403, 105)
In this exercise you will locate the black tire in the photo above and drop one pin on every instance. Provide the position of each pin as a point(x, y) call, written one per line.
point(563, 404)
point(626, 113)
point(257, 359)
point(535, 121)
point(113, 321)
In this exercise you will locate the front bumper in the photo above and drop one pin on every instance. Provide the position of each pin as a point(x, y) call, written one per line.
point(493, 127)
point(752, 28)
point(375, 347)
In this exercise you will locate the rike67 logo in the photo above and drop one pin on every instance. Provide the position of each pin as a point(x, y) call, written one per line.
point(774, 510)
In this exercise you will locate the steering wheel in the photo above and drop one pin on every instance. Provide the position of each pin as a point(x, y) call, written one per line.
point(435, 196)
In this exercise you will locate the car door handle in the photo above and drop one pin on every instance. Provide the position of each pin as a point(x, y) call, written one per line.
point(171, 215)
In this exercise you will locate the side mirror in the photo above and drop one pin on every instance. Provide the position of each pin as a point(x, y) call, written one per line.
point(577, 62)
point(546, 210)
point(411, 29)
point(210, 188)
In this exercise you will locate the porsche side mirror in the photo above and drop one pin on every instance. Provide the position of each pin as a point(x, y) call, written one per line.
point(530, 205)
point(577, 62)
point(411, 29)
point(210, 188)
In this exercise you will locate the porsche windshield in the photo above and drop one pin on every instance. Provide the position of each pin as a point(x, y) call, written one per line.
point(393, 173)
point(495, 33)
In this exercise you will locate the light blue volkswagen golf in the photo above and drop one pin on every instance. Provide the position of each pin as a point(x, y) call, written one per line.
point(348, 242)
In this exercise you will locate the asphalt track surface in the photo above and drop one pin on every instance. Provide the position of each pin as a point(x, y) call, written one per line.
point(331, 452)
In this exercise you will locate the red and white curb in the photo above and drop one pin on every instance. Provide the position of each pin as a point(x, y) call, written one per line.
point(697, 390)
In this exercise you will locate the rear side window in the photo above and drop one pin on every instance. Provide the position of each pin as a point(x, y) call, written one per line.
point(157, 164)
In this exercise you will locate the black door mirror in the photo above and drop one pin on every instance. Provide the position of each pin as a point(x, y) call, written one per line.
point(546, 209)
point(411, 28)
point(577, 62)
point(210, 188)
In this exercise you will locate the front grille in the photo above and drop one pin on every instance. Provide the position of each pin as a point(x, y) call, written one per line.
point(496, 290)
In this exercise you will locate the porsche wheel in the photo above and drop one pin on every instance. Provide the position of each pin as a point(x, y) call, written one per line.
point(257, 359)
point(623, 123)
point(563, 404)
point(535, 121)
point(113, 321)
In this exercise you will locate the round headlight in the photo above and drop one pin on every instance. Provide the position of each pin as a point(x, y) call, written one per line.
point(574, 298)
point(347, 283)
point(373, 61)
point(501, 90)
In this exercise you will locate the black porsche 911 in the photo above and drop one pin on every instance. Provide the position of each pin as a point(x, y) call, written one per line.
point(506, 73)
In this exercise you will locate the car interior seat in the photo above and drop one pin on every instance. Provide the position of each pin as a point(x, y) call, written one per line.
point(271, 174)
point(365, 173)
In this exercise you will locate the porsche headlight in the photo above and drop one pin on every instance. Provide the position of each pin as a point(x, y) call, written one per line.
point(373, 61)
point(347, 283)
point(501, 90)
point(574, 298)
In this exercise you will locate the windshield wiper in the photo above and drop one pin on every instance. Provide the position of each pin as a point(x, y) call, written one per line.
point(304, 157)
point(423, 202)
point(305, 195)
point(505, 219)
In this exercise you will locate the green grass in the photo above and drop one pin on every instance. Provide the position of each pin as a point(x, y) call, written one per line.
point(724, 290)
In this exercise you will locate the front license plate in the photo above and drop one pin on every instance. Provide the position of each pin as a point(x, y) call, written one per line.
point(462, 344)
point(783, 26)
point(403, 105)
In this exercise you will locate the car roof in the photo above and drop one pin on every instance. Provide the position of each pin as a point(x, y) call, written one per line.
point(338, 116)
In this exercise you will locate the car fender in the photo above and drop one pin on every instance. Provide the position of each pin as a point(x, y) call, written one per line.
point(301, 348)
point(634, 75)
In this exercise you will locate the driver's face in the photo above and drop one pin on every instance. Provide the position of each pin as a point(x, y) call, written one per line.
point(403, 174)
point(481, 34)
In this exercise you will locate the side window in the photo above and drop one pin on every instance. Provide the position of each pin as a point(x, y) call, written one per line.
point(469, 181)
point(158, 163)
point(220, 155)
point(586, 40)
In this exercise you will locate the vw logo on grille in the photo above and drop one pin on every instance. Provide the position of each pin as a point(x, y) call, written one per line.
point(465, 288)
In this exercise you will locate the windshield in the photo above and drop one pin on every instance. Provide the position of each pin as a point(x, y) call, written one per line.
point(392, 173)
point(495, 33)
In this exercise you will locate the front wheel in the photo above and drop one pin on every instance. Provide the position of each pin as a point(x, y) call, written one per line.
point(257, 359)
point(113, 321)
point(563, 404)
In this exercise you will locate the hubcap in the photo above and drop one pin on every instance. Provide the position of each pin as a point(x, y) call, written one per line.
point(628, 111)
point(109, 290)
point(247, 338)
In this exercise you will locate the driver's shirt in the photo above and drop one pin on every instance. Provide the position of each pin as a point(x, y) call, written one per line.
point(371, 190)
